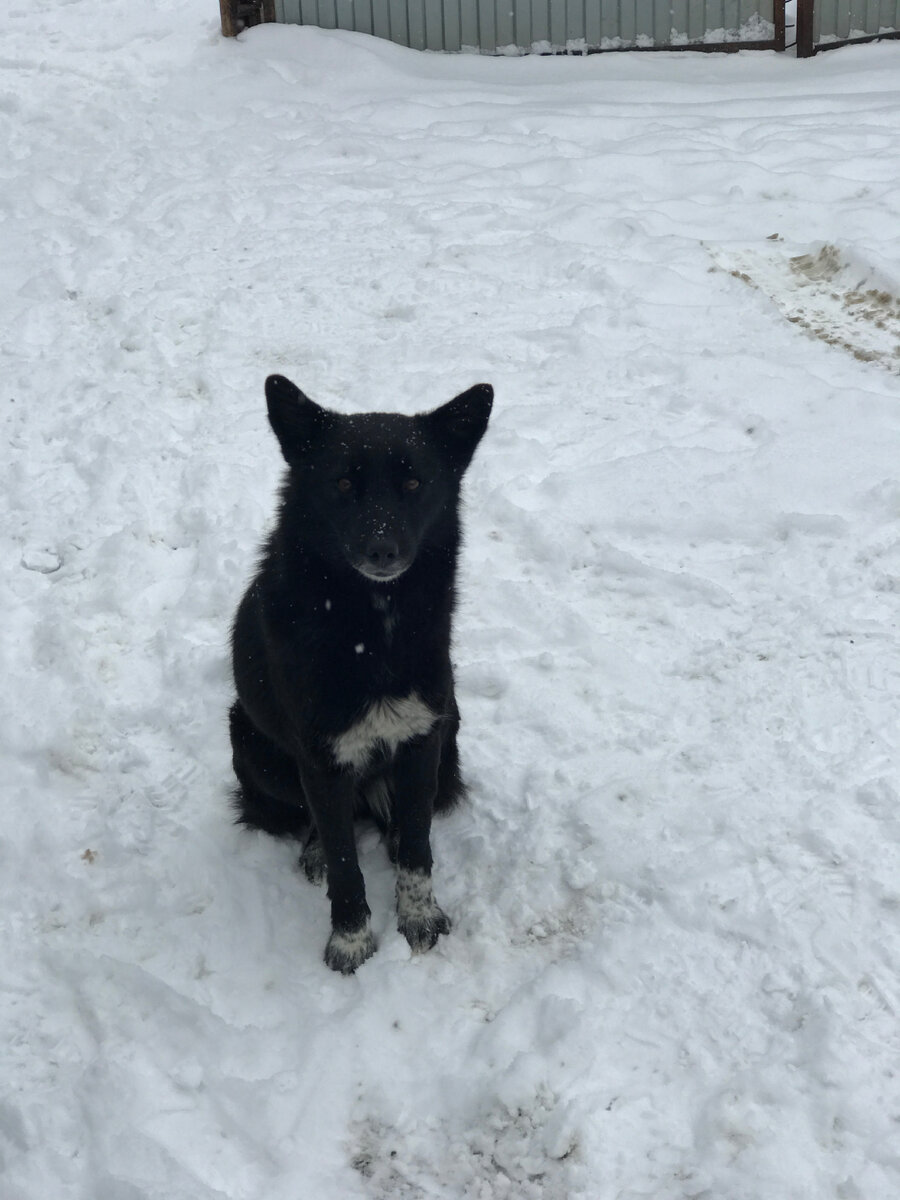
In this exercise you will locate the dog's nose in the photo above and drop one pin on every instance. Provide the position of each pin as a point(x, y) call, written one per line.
point(382, 552)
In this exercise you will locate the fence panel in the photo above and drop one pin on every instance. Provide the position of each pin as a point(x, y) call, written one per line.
point(824, 24)
point(583, 26)
point(555, 26)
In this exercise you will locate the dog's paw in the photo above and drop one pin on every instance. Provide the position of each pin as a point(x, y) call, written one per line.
point(423, 931)
point(312, 860)
point(349, 949)
point(419, 917)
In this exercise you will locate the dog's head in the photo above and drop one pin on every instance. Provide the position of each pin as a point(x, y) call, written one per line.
point(373, 486)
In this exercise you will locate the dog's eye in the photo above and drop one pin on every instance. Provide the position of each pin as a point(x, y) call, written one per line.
point(344, 485)
point(410, 485)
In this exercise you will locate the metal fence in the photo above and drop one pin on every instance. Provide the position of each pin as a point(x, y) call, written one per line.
point(533, 26)
point(551, 26)
point(582, 26)
point(824, 24)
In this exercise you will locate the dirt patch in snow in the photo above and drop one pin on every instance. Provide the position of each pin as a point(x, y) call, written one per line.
point(828, 293)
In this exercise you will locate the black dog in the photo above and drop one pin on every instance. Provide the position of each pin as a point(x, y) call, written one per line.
point(341, 650)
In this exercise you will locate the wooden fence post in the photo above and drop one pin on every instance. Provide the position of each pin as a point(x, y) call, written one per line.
point(806, 47)
point(228, 29)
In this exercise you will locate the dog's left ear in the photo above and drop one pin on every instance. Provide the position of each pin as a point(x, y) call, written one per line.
point(459, 425)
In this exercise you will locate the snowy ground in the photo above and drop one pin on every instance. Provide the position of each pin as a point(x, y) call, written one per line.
point(674, 965)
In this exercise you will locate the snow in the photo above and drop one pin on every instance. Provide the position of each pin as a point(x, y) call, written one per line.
point(673, 970)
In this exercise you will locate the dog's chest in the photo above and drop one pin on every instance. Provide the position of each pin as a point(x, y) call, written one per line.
point(385, 725)
point(387, 613)
point(383, 653)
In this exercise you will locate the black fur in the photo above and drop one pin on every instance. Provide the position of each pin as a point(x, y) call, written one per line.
point(341, 649)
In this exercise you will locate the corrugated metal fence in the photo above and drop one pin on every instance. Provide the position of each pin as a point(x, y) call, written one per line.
point(824, 24)
point(582, 26)
point(547, 26)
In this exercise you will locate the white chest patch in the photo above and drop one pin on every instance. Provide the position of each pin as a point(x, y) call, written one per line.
point(391, 721)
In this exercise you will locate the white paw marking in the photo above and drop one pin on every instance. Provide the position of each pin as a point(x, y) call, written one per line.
point(419, 917)
point(348, 950)
point(312, 860)
point(415, 897)
point(391, 721)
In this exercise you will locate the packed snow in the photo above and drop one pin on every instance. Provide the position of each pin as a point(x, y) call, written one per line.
point(673, 970)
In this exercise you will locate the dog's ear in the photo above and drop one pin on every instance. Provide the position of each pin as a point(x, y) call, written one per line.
point(459, 425)
point(297, 421)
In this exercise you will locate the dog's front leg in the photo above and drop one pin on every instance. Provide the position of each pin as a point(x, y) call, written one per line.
point(419, 918)
point(330, 795)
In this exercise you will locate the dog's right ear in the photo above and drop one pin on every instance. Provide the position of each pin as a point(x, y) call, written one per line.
point(296, 420)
